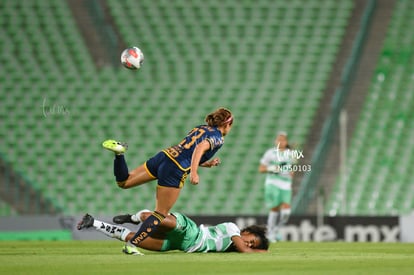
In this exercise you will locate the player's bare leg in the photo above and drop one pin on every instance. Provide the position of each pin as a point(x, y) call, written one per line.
point(113, 231)
point(154, 242)
point(165, 199)
point(124, 178)
point(165, 196)
point(136, 177)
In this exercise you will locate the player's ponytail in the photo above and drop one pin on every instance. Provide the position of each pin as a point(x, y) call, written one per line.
point(220, 117)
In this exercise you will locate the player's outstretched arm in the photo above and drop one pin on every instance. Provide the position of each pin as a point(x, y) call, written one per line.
point(199, 151)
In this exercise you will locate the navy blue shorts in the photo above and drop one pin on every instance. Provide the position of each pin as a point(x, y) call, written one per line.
point(166, 171)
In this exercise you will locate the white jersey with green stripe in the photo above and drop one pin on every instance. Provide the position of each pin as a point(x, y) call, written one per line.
point(215, 238)
point(283, 160)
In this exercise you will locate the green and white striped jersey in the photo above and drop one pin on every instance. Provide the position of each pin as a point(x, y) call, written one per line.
point(283, 160)
point(215, 238)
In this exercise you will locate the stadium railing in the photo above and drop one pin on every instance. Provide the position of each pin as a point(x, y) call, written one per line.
point(17, 191)
point(307, 189)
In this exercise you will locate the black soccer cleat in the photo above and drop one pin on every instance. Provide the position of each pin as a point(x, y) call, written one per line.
point(120, 219)
point(86, 222)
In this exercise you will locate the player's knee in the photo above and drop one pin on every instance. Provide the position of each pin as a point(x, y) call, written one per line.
point(275, 209)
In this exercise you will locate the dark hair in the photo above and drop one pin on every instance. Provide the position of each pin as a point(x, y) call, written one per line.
point(260, 232)
point(282, 133)
point(219, 117)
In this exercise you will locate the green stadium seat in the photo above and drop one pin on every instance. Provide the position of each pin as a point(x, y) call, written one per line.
point(385, 175)
point(202, 55)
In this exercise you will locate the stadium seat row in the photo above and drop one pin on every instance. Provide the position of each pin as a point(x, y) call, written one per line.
point(379, 158)
point(59, 106)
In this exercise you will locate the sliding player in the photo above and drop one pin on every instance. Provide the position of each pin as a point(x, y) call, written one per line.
point(179, 232)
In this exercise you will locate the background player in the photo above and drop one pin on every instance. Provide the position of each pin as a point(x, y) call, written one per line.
point(276, 163)
point(171, 166)
point(179, 232)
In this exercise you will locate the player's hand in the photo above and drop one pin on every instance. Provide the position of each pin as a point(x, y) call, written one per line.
point(194, 178)
point(273, 169)
point(214, 162)
point(211, 163)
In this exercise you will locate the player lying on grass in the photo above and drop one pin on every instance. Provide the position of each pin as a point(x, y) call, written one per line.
point(179, 232)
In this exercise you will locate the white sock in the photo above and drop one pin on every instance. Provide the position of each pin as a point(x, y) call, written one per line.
point(137, 217)
point(271, 223)
point(284, 216)
point(111, 230)
point(124, 234)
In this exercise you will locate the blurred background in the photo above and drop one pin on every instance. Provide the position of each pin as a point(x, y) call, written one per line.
point(338, 76)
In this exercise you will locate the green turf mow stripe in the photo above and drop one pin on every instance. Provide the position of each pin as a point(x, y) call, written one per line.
point(105, 257)
point(38, 235)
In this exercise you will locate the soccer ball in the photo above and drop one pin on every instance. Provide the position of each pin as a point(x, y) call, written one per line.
point(132, 58)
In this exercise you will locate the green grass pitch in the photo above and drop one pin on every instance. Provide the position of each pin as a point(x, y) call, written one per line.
point(105, 257)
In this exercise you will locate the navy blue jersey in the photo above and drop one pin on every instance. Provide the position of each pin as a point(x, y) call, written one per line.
point(182, 153)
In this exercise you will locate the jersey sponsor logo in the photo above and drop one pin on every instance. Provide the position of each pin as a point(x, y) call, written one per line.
point(139, 238)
